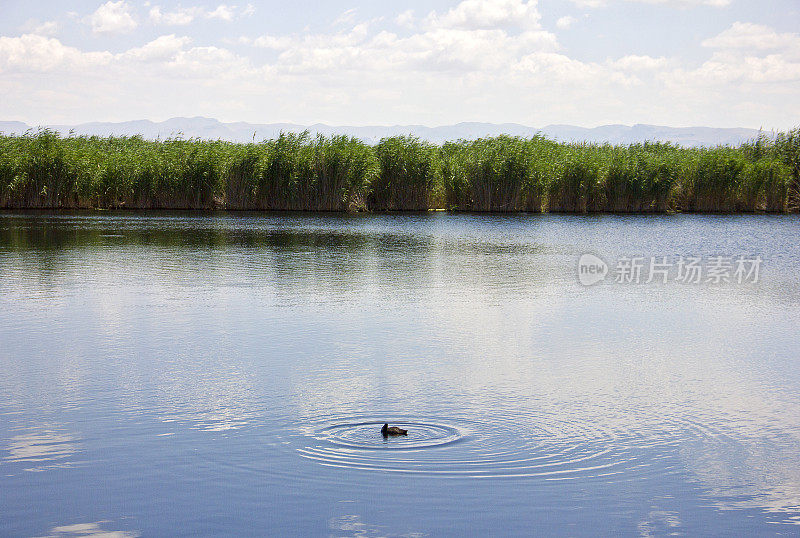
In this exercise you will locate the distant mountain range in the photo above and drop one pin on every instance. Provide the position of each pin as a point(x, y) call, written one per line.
point(211, 129)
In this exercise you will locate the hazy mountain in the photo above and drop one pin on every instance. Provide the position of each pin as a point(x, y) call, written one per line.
point(13, 127)
point(211, 129)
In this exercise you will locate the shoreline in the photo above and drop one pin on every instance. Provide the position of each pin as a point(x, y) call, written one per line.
point(332, 213)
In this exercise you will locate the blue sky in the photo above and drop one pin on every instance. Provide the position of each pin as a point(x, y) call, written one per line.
point(721, 63)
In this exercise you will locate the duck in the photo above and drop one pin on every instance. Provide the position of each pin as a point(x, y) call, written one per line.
point(386, 431)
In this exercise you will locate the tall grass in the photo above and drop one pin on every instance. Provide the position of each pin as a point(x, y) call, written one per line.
point(46, 171)
point(640, 178)
point(300, 172)
point(787, 148)
point(409, 171)
point(575, 183)
point(495, 174)
point(296, 172)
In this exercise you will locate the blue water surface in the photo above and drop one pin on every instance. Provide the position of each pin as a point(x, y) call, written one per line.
point(227, 374)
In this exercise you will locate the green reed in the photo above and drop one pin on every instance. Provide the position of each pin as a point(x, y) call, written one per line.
point(339, 173)
point(296, 172)
point(409, 172)
point(496, 174)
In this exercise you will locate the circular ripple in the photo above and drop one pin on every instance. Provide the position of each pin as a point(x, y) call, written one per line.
point(367, 436)
point(550, 447)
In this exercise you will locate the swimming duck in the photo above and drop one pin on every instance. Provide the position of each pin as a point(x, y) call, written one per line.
point(386, 431)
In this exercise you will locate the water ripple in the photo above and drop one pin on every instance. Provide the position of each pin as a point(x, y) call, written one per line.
point(554, 449)
point(361, 435)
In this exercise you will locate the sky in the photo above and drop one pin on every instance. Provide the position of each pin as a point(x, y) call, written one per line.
point(680, 63)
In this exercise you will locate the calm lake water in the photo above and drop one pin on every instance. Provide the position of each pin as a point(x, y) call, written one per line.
point(228, 374)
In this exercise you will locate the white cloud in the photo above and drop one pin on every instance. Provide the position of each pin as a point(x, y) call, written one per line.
point(565, 22)
point(47, 28)
point(168, 55)
point(406, 19)
point(113, 18)
point(549, 66)
point(749, 53)
point(35, 53)
point(590, 3)
point(725, 68)
point(472, 37)
point(435, 49)
point(210, 62)
point(345, 18)
point(640, 63)
point(222, 12)
point(687, 3)
point(179, 17)
point(488, 14)
point(669, 3)
point(270, 42)
point(743, 35)
point(183, 16)
point(164, 48)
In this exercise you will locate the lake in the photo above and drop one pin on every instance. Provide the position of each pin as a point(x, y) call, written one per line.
point(228, 374)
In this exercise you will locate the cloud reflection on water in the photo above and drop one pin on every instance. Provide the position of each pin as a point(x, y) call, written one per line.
point(88, 530)
point(38, 448)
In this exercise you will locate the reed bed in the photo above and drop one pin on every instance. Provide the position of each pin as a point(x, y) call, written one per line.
point(297, 173)
point(339, 173)
point(499, 174)
point(409, 174)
